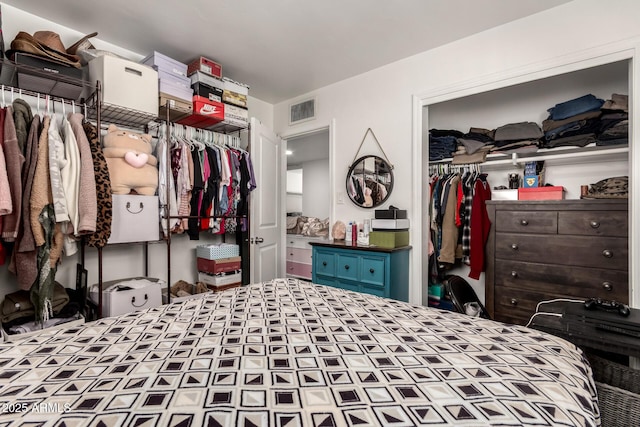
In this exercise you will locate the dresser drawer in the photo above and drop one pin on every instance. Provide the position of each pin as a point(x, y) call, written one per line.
point(516, 305)
point(299, 269)
point(527, 222)
point(602, 252)
point(594, 223)
point(293, 242)
point(325, 264)
point(577, 282)
point(347, 266)
point(299, 255)
point(373, 271)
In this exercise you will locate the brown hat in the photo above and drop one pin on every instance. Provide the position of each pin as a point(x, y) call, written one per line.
point(47, 44)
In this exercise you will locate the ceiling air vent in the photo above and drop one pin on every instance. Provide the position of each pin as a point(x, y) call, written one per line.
point(302, 111)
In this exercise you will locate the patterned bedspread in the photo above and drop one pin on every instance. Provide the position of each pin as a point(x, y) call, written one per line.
point(289, 353)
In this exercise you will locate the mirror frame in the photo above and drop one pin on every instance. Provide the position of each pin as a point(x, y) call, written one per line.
point(378, 162)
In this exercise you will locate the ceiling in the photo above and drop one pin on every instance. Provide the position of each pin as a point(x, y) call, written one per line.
point(284, 48)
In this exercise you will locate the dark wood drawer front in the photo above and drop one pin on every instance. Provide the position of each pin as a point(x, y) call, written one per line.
point(577, 282)
point(516, 305)
point(605, 252)
point(527, 222)
point(594, 223)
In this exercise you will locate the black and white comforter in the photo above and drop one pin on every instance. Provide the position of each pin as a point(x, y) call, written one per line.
point(289, 353)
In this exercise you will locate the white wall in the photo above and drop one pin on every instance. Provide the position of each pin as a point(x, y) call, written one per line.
point(316, 191)
point(382, 98)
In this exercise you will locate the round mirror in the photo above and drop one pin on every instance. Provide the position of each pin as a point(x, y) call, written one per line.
point(369, 181)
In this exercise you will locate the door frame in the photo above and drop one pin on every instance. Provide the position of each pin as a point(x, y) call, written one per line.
point(331, 127)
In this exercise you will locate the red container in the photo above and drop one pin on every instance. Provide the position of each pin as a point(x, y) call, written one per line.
point(206, 66)
point(205, 113)
point(215, 266)
point(541, 193)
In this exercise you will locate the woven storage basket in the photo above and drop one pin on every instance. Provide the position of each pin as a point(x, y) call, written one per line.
point(618, 392)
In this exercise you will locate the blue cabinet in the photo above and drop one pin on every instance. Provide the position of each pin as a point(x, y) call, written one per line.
point(376, 271)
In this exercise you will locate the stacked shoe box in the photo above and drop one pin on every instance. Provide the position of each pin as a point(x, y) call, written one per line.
point(219, 266)
point(173, 84)
point(234, 97)
point(390, 228)
point(205, 79)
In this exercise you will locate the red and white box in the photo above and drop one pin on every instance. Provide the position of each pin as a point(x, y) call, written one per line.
point(205, 113)
point(216, 266)
point(205, 65)
point(541, 193)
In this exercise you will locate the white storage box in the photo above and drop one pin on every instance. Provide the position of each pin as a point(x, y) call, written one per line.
point(390, 224)
point(128, 295)
point(232, 112)
point(75, 321)
point(222, 250)
point(126, 83)
point(176, 91)
point(162, 62)
point(220, 280)
point(511, 194)
point(172, 79)
point(135, 219)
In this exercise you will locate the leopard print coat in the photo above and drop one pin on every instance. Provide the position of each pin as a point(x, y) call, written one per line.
point(103, 189)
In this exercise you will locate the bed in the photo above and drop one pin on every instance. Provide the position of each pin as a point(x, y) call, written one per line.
point(292, 353)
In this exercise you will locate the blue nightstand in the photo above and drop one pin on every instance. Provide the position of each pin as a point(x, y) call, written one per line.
point(371, 270)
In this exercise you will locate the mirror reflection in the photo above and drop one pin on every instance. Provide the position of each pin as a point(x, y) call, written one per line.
point(369, 181)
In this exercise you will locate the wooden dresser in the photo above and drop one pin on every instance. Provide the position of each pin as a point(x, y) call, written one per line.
point(542, 250)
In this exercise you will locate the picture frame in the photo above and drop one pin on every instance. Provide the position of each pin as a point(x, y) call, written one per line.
point(302, 111)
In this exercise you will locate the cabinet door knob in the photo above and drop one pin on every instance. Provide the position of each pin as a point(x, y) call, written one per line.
point(514, 274)
point(607, 253)
point(514, 246)
point(524, 222)
point(594, 224)
point(607, 286)
point(291, 254)
point(371, 270)
point(514, 301)
point(291, 268)
point(324, 263)
point(346, 267)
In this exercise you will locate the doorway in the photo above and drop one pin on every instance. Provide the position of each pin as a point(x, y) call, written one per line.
point(308, 175)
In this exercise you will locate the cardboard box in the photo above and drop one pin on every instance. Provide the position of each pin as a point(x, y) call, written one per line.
point(205, 113)
point(233, 113)
point(206, 66)
point(220, 251)
point(206, 91)
point(120, 297)
point(221, 265)
point(234, 86)
point(135, 219)
point(166, 64)
point(234, 98)
point(390, 213)
point(389, 239)
point(220, 280)
point(165, 300)
point(178, 108)
point(216, 289)
point(541, 193)
point(126, 83)
point(44, 76)
point(389, 224)
point(200, 77)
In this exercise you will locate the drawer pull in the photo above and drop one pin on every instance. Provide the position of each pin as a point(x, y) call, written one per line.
point(291, 268)
point(371, 270)
point(607, 253)
point(514, 301)
point(291, 254)
point(346, 267)
point(594, 224)
point(607, 286)
point(514, 246)
point(324, 263)
point(514, 274)
point(524, 222)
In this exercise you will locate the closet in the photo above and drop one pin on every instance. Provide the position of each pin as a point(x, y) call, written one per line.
point(102, 114)
point(525, 95)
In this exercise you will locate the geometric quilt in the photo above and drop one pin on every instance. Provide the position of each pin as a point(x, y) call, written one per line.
point(290, 353)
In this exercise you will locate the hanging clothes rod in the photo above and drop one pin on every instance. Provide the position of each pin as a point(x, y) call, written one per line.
point(203, 135)
point(19, 93)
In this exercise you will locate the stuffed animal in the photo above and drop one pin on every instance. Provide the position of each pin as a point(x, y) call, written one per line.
point(131, 165)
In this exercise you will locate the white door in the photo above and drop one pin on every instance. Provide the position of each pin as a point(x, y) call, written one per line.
point(266, 234)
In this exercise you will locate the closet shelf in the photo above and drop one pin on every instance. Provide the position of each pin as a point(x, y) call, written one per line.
point(122, 116)
point(597, 153)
